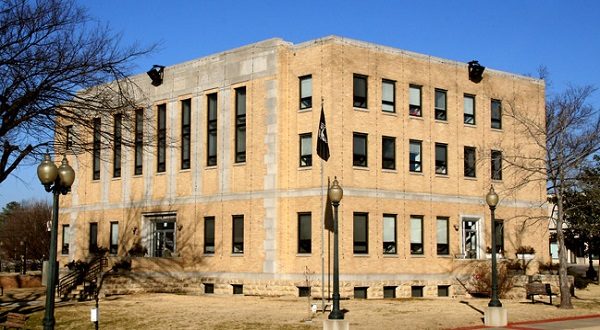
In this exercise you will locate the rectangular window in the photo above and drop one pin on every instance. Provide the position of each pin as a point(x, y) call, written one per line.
point(163, 236)
point(240, 124)
point(209, 288)
point(304, 233)
point(416, 235)
point(388, 95)
point(69, 137)
point(238, 288)
point(416, 291)
point(238, 234)
point(496, 165)
point(93, 244)
point(389, 234)
point(443, 236)
point(470, 239)
point(114, 238)
point(469, 114)
point(139, 141)
point(306, 150)
point(440, 105)
point(360, 292)
point(415, 156)
point(117, 137)
point(496, 114)
point(388, 153)
point(306, 92)
point(96, 151)
point(414, 98)
point(304, 291)
point(499, 235)
point(161, 155)
point(66, 239)
point(361, 235)
point(209, 235)
point(211, 139)
point(470, 161)
point(443, 290)
point(389, 292)
point(186, 120)
point(360, 91)
point(441, 158)
point(359, 150)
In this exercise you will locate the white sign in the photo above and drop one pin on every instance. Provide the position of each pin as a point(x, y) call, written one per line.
point(94, 315)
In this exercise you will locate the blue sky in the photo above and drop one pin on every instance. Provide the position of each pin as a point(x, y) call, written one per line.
point(511, 35)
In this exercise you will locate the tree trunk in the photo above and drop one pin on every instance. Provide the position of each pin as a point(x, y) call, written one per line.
point(565, 285)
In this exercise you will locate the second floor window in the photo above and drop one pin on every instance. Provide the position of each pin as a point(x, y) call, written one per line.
point(440, 105)
point(238, 234)
point(416, 235)
point(359, 148)
point(496, 165)
point(139, 141)
point(306, 150)
point(211, 139)
point(361, 233)
point(306, 92)
point(209, 235)
point(389, 234)
point(442, 236)
point(186, 113)
point(415, 156)
point(414, 98)
point(388, 153)
point(240, 124)
point(441, 158)
point(496, 114)
point(117, 139)
point(388, 95)
point(304, 233)
point(96, 146)
point(360, 91)
point(161, 155)
point(469, 109)
point(470, 161)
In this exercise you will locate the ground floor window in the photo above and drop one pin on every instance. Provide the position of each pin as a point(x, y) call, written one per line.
point(470, 238)
point(66, 239)
point(114, 238)
point(161, 235)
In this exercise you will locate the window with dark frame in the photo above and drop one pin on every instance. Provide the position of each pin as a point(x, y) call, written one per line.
point(114, 238)
point(93, 243)
point(416, 235)
point(441, 158)
point(470, 162)
point(304, 233)
point(388, 95)
point(306, 150)
point(389, 292)
point(416, 291)
point(360, 91)
point(440, 105)
point(361, 233)
point(117, 140)
point(496, 114)
point(238, 234)
point(443, 290)
point(443, 236)
point(359, 149)
point(238, 288)
point(414, 101)
point(69, 137)
point(388, 152)
point(163, 236)
point(240, 124)
point(139, 141)
point(304, 291)
point(186, 130)
point(415, 156)
point(66, 239)
point(389, 234)
point(161, 154)
point(469, 109)
point(360, 292)
point(499, 235)
point(211, 132)
point(496, 165)
point(96, 149)
point(306, 92)
point(209, 288)
point(209, 235)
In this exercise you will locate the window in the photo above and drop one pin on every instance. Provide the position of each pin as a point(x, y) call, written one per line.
point(139, 141)
point(209, 235)
point(389, 234)
point(470, 239)
point(499, 235)
point(414, 98)
point(361, 236)
point(240, 124)
point(389, 292)
point(496, 114)
point(416, 234)
point(443, 290)
point(470, 162)
point(496, 165)
point(96, 150)
point(359, 147)
point(360, 292)
point(163, 236)
point(114, 238)
point(440, 105)
point(209, 288)
point(443, 236)
point(306, 92)
point(388, 153)
point(186, 120)
point(415, 156)
point(388, 95)
point(161, 156)
point(117, 137)
point(304, 233)
point(93, 244)
point(416, 291)
point(441, 158)
point(304, 291)
point(360, 91)
point(238, 234)
point(306, 150)
point(211, 139)
point(69, 137)
point(469, 103)
point(238, 288)
point(66, 239)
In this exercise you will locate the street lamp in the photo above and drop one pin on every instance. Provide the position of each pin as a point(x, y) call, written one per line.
point(492, 200)
point(335, 195)
point(58, 181)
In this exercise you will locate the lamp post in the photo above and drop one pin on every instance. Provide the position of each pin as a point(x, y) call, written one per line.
point(492, 200)
point(335, 195)
point(58, 181)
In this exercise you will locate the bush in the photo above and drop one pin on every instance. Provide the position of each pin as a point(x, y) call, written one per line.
point(123, 264)
point(525, 249)
point(548, 267)
point(579, 281)
point(137, 250)
point(481, 280)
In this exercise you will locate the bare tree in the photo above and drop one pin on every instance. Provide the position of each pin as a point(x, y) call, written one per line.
point(59, 68)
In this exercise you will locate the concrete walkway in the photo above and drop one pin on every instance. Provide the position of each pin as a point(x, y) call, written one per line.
point(576, 322)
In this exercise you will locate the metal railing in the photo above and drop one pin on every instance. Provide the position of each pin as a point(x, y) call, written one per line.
point(79, 275)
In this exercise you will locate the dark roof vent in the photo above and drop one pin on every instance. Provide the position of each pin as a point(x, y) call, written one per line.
point(475, 71)
point(156, 74)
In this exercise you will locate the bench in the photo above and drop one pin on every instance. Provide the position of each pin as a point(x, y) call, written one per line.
point(14, 320)
point(538, 288)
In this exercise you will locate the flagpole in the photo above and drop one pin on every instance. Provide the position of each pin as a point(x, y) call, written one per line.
point(322, 243)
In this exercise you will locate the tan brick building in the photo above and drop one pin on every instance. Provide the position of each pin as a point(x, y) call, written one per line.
point(230, 197)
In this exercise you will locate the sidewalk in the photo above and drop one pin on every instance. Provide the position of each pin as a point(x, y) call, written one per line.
point(575, 322)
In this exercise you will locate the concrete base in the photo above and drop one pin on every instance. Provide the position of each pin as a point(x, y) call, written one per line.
point(336, 324)
point(496, 317)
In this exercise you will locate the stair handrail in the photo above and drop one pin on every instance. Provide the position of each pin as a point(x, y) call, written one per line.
point(78, 275)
